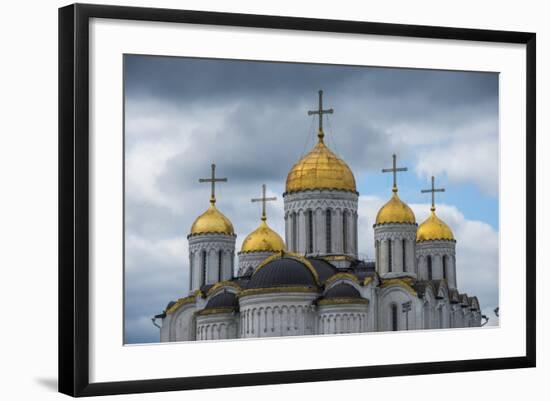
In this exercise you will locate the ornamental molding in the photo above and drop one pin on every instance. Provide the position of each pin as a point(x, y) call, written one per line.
point(212, 246)
point(320, 194)
point(435, 251)
point(395, 235)
point(337, 205)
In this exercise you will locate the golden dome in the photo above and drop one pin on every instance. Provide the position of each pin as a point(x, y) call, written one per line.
point(212, 222)
point(263, 239)
point(434, 229)
point(320, 169)
point(395, 211)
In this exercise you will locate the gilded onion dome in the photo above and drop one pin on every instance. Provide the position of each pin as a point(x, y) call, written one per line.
point(212, 222)
point(395, 211)
point(263, 239)
point(434, 229)
point(320, 169)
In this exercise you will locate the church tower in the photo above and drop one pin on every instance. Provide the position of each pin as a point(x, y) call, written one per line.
point(260, 243)
point(435, 247)
point(321, 203)
point(395, 235)
point(211, 243)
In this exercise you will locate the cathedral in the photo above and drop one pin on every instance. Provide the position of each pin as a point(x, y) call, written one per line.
point(314, 282)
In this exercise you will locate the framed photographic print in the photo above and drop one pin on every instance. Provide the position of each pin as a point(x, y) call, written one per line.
point(310, 199)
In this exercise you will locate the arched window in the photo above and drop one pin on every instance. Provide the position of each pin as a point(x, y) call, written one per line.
point(329, 230)
point(404, 250)
point(204, 270)
point(309, 231)
point(394, 317)
point(429, 260)
point(440, 311)
point(445, 267)
point(220, 265)
point(390, 256)
point(294, 231)
point(345, 231)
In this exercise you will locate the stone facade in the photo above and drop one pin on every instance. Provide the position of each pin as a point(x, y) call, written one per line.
point(321, 222)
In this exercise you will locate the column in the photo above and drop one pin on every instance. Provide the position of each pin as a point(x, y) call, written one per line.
point(212, 263)
point(411, 257)
point(383, 254)
point(320, 231)
point(227, 273)
point(437, 267)
point(197, 266)
point(397, 256)
point(351, 233)
point(451, 271)
point(301, 232)
point(422, 268)
point(287, 231)
point(337, 231)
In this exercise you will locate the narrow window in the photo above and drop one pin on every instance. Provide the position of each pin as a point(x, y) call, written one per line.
point(329, 230)
point(294, 231)
point(445, 267)
point(394, 317)
point(390, 256)
point(220, 266)
point(191, 267)
point(345, 231)
point(203, 267)
point(404, 242)
point(310, 231)
point(429, 267)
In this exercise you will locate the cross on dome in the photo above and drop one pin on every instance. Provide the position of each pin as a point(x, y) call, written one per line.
point(263, 199)
point(213, 181)
point(320, 112)
point(394, 170)
point(433, 190)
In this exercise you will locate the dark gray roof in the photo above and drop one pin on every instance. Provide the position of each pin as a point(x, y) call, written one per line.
point(324, 269)
point(222, 300)
point(342, 290)
point(284, 271)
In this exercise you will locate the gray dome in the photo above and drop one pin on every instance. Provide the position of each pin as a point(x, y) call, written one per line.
point(224, 299)
point(281, 272)
point(342, 291)
point(324, 268)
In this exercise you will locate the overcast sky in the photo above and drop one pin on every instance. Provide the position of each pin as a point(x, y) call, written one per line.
point(250, 118)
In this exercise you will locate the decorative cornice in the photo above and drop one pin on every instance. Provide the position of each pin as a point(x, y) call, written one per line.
point(221, 284)
point(342, 301)
point(341, 276)
point(211, 233)
point(405, 283)
point(271, 290)
point(215, 311)
point(182, 301)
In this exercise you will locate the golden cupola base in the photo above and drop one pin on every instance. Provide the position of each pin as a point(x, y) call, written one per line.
point(212, 221)
point(395, 211)
point(434, 229)
point(320, 169)
point(263, 239)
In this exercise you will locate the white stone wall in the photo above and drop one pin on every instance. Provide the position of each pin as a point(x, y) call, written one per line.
point(277, 315)
point(212, 244)
point(396, 235)
point(181, 324)
point(220, 326)
point(437, 250)
point(396, 295)
point(249, 261)
point(339, 319)
point(318, 202)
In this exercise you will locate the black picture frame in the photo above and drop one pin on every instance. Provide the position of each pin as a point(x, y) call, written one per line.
point(74, 198)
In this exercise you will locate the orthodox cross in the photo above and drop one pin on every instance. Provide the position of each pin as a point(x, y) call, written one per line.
point(433, 190)
point(263, 199)
point(320, 111)
point(213, 180)
point(394, 170)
